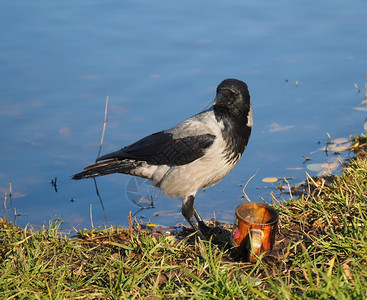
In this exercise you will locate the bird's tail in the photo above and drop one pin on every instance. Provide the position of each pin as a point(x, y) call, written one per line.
point(105, 168)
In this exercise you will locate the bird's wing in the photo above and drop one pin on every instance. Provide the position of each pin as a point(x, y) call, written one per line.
point(162, 148)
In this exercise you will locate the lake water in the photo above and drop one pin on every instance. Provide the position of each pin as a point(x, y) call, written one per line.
point(160, 63)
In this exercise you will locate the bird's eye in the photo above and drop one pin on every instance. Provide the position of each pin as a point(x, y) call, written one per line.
point(235, 94)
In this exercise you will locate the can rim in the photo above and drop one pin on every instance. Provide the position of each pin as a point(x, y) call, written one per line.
point(268, 207)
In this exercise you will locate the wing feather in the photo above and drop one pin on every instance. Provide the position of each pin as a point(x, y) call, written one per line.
point(162, 149)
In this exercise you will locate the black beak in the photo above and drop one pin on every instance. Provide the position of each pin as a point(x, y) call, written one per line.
point(220, 99)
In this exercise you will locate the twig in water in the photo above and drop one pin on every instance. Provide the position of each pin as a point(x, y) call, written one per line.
point(328, 142)
point(357, 87)
point(289, 187)
point(15, 216)
point(99, 153)
point(274, 199)
point(322, 186)
point(309, 178)
point(91, 216)
point(328, 135)
point(263, 200)
point(306, 159)
point(6, 210)
point(54, 183)
point(364, 101)
point(104, 128)
point(130, 224)
point(10, 193)
point(100, 200)
point(243, 190)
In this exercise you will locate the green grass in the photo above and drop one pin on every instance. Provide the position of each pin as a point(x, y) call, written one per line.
point(328, 231)
point(320, 253)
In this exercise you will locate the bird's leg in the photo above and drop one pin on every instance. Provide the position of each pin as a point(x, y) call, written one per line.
point(188, 211)
point(197, 215)
point(201, 223)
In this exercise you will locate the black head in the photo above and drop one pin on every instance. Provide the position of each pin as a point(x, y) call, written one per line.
point(232, 99)
point(232, 107)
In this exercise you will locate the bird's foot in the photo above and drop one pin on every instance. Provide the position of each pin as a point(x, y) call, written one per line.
point(201, 235)
point(203, 228)
point(198, 229)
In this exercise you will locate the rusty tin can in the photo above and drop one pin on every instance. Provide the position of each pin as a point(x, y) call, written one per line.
point(254, 229)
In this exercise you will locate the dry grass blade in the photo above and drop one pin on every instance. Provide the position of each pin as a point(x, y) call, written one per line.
point(244, 187)
point(104, 128)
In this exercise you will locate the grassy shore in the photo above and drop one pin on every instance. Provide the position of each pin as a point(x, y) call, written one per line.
point(320, 253)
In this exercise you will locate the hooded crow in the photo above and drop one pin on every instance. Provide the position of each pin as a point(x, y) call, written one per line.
point(197, 153)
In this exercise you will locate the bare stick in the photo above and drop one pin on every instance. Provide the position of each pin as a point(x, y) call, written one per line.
point(99, 153)
point(274, 200)
point(100, 200)
point(289, 187)
point(6, 210)
point(15, 216)
point(104, 128)
point(130, 224)
point(10, 193)
point(243, 190)
point(91, 216)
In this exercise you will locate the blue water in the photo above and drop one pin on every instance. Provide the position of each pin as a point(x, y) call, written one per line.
point(160, 63)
